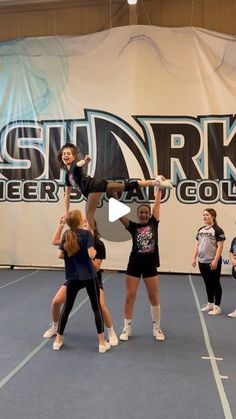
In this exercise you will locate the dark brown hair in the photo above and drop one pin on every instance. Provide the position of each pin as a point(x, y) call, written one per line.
point(74, 149)
point(213, 214)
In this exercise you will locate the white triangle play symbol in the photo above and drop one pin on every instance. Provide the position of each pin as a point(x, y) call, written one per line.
point(116, 210)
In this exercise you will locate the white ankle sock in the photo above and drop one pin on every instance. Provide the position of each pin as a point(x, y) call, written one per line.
point(110, 331)
point(156, 315)
point(127, 323)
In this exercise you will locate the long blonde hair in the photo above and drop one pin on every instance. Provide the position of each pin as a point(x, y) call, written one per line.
point(74, 220)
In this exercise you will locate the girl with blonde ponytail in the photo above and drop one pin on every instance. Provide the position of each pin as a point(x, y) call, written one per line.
point(77, 250)
point(74, 221)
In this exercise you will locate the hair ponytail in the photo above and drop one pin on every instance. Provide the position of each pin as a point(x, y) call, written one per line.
point(71, 244)
point(71, 238)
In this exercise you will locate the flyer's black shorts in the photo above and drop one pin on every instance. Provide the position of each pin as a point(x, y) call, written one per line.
point(90, 185)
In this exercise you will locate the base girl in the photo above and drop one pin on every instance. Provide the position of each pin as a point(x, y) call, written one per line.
point(60, 297)
point(77, 250)
point(143, 262)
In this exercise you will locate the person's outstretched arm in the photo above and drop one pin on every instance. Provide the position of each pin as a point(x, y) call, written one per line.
point(157, 204)
point(84, 161)
point(124, 220)
point(67, 198)
point(56, 238)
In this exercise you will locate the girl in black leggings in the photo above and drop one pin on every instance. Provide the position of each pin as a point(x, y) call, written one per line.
point(208, 249)
point(77, 250)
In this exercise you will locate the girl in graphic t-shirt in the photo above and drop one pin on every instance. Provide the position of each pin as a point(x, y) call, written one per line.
point(143, 262)
point(208, 249)
point(91, 187)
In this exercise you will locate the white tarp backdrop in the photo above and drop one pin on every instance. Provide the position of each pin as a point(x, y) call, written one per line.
point(141, 100)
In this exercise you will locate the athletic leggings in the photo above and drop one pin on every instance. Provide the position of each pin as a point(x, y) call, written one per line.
point(212, 282)
point(72, 289)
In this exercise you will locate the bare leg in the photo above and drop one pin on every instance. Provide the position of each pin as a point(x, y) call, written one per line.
point(152, 285)
point(106, 313)
point(132, 284)
point(112, 338)
point(115, 187)
point(101, 339)
point(90, 208)
point(160, 181)
point(120, 187)
point(57, 302)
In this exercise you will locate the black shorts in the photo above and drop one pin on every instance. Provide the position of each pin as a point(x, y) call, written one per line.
point(90, 185)
point(234, 272)
point(138, 267)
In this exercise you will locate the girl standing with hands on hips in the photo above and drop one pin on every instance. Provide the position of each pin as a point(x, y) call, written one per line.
point(208, 249)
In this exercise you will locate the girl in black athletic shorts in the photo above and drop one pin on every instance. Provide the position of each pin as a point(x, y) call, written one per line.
point(143, 262)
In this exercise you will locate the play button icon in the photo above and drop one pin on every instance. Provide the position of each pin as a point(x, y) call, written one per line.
point(116, 210)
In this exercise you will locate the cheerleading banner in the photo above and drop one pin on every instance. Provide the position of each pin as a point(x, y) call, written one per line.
point(142, 101)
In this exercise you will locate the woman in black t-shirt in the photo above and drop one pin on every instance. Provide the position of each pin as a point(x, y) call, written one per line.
point(143, 262)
